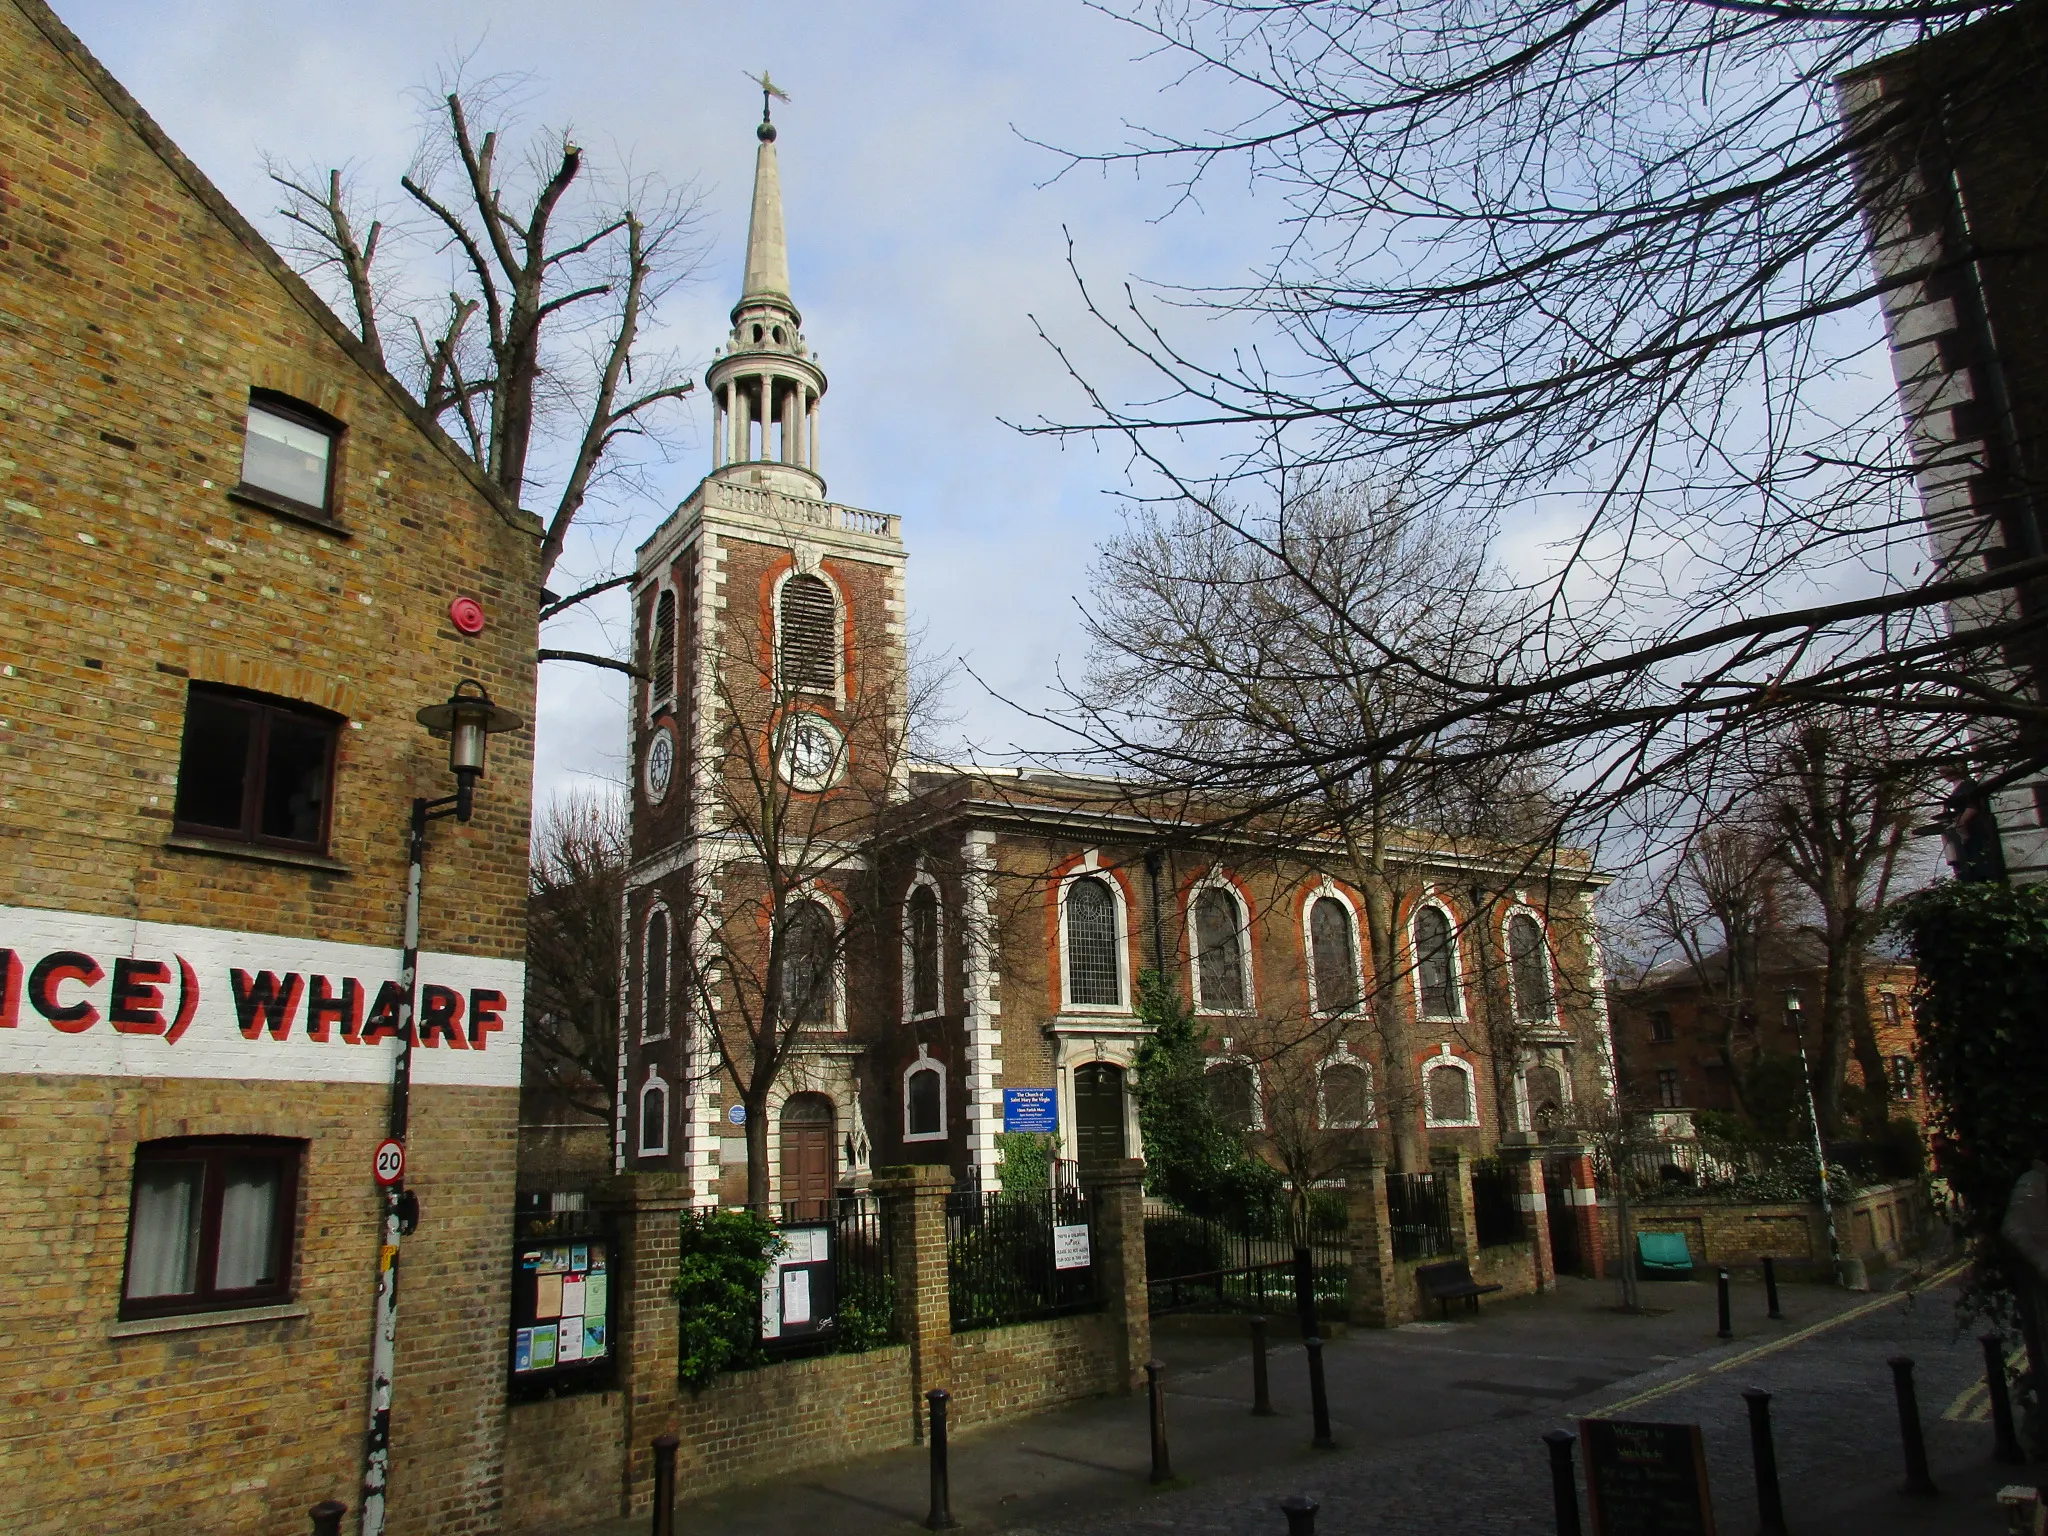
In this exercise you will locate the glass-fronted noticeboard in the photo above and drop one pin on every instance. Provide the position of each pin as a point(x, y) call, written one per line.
point(563, 1284)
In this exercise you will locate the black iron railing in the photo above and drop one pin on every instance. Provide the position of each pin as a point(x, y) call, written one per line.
point(1245, 1261)
point(1419, 1215)
point(1013, 1256)
point(1497, 1203)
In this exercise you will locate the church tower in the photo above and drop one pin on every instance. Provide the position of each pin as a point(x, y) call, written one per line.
point(766, 736)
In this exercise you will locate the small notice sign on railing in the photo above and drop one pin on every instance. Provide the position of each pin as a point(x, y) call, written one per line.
point(1070, 1247)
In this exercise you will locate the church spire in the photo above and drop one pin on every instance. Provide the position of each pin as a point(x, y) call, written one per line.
point(767, 246)
point(765, 385)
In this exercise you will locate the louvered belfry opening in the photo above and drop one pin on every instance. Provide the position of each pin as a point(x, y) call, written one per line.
point(810, 653)
point(662, 663)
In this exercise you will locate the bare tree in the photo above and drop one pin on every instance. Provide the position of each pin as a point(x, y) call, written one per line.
point(1305, 1143)
point(576, 880)
point(536, 360)
point(1238, 671)
point(1719, 909)
point(1599, 265)
point(1843, 813)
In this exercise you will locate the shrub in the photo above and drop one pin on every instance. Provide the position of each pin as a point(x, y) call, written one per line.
point(1191, 1157)
point(725, 1254)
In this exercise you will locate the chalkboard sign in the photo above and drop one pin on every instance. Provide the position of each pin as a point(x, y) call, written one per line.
point(1646, 1479)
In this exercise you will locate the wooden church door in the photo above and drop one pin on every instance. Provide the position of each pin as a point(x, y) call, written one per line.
point(1098, 1113)
point(808, 1157)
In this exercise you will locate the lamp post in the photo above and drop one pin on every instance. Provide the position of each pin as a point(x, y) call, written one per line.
point(468, 719)
point(1820, 1155)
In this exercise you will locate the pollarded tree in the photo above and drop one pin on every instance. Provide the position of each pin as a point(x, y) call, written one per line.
point(536, 359)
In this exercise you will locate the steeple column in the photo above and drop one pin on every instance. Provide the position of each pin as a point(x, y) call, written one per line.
point(811, 438)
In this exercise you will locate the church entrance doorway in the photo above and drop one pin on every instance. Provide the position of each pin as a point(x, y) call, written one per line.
point(1098, 1113)
point(808, 1163)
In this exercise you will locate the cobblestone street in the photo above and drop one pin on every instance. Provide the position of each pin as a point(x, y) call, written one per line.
point(1438, 1426)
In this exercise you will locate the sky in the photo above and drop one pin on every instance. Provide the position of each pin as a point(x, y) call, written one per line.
point(928, 236)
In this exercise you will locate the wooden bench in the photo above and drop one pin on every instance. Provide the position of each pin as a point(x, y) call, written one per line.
point(1445, 1283)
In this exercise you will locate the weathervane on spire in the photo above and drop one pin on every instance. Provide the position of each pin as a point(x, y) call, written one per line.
point(768, 89)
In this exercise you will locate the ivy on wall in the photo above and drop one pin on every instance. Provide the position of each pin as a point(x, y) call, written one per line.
point(1980, 1006)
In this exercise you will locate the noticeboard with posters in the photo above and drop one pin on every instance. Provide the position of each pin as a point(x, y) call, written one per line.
point(563, 1286)
point(799, 1296)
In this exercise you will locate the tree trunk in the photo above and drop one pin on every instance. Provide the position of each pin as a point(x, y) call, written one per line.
point(1397, 1105)
point(1877, 1091)
point(1835, 1025)
point(760, 1190)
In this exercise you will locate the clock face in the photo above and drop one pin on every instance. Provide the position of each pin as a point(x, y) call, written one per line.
point(813, 753)
point(661, 764)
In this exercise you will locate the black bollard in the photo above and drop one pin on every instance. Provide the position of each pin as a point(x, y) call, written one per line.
point(1262, 1390)
point(1300, 1511)
point(1564, 1482)
point(1318, 1393)
point(1918, 1482)
point(665, 1484)
point(1155, 1397)
point(1771, 1290)
point(1721, 1297)
point(327, 1517)
point(1770, 1507)
point(940, 1516)
point(2008, 1443)
point(1305, 1290)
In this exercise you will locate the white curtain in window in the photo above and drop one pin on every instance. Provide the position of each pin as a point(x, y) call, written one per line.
point(163, 1251)
point(248, 1226)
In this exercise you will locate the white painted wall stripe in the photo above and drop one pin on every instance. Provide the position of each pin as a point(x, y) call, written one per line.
point(91, 996)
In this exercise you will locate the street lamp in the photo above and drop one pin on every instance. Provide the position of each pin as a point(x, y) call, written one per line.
point(1820, 1156)
point(468, 719)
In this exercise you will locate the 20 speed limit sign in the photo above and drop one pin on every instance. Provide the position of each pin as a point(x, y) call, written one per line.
point(390, 1163)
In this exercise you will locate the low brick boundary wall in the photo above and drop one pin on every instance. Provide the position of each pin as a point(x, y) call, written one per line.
point(1876, 1228)
point(577, 1460)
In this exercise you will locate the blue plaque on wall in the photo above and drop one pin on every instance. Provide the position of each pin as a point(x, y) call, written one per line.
point(1030, 1109)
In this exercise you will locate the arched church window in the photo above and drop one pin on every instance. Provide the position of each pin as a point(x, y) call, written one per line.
point(654, 979)
point(1345, 1102)
point(922, 923)
point(1436, 964)
point(1093, 976)
point(662, 650)
point(808, 626)
point(808, 940)
point(653, 1116)
point(1233, 1093)
point(1334, 954)
point(1529, 965)
point(1219, 949)
point(924, 1099)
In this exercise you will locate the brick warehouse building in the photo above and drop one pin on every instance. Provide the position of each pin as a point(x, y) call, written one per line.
point(942, 938)
point(231, 546)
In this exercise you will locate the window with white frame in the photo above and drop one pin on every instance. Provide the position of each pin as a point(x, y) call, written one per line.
point(921, 949)
point(653, 1116)
point(1333, 955)
point(1221, 971)
point(810, 940)
point(807, 636)
point(924, 1098)
point(1234, 1094)
point(1529, 970)
point(654, 977)
point(1436, 963)
point(1093, 932)
point(1447, 1096)
point(1343, 1093)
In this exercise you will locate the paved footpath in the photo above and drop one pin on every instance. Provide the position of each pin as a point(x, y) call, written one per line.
point(1438, 1427)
